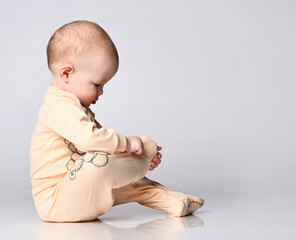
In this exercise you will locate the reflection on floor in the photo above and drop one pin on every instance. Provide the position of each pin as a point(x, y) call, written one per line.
point(243, 218)
point(160, 228)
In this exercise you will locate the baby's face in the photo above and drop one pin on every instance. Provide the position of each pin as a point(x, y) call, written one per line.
point(88, 80)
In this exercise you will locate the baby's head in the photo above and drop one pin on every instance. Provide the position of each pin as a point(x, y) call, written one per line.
point(82, 58)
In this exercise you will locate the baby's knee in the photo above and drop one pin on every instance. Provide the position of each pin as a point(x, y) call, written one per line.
point(150, 147)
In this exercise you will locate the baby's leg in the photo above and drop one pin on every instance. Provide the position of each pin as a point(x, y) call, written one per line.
point(86, 191)
point(155, 195)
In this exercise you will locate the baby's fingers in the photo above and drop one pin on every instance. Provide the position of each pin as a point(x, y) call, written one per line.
point(156, 160)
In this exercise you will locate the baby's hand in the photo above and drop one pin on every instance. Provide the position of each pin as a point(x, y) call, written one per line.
point(134, 145)
point(156, 160)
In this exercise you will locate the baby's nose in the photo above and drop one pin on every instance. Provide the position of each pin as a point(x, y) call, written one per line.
point(100, 92)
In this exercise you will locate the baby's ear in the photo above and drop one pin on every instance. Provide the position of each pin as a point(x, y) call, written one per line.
point(66, 71)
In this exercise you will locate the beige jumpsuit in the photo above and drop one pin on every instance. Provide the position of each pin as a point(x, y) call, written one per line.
point(79, 170)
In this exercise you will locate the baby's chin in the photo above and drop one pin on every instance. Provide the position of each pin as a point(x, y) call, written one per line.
point(85, 105)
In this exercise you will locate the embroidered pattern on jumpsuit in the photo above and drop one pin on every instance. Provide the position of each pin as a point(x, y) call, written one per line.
point(98, 159)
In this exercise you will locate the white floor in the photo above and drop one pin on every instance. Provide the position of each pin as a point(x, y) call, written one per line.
point(268, 218)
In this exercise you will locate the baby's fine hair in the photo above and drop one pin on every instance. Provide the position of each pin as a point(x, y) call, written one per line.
point(75, 39)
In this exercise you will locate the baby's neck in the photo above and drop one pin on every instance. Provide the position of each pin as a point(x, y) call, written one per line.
point(56, 83)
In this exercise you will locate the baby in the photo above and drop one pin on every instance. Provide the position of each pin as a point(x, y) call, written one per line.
point(79, 169)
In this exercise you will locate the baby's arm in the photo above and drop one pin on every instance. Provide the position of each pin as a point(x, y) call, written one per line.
point(134, 144)
point(66, 118)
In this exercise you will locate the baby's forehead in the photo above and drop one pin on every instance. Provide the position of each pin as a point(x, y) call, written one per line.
point(97, 60)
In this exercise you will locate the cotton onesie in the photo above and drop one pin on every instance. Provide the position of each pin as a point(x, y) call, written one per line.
point(79, 169)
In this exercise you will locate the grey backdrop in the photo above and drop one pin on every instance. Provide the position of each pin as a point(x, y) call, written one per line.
point(212, 81)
